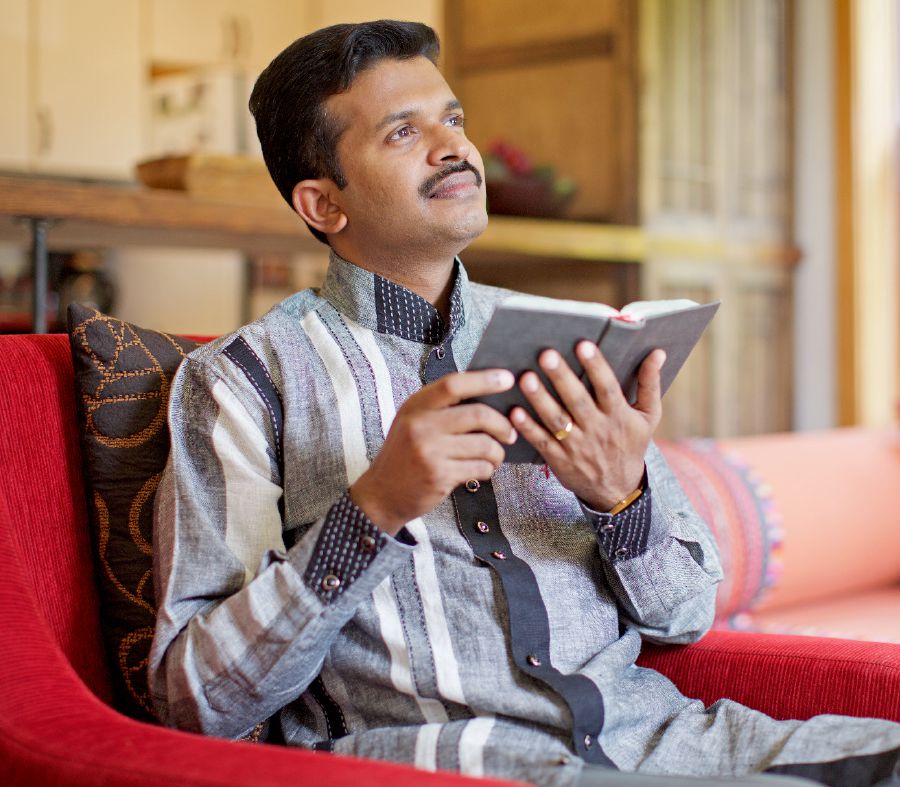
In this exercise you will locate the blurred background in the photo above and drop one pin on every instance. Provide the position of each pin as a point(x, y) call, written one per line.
point(742, 150)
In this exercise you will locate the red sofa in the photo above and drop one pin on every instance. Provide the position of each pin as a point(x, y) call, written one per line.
point(57, 725)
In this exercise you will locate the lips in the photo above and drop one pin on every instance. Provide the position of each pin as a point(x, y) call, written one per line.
point(455, 185)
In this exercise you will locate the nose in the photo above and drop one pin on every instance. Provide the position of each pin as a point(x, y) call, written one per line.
point(448, 143)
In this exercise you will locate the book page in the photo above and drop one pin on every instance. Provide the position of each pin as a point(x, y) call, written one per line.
point(542, 304)
point(638, 310)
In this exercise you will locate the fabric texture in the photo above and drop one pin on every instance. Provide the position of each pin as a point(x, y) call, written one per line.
point(42, 485)
point(123, 374)
point(421, 652)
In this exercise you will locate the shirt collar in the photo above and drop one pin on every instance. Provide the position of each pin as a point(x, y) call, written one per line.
point(387, 307)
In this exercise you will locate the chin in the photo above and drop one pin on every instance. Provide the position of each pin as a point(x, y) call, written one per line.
point(471, 226)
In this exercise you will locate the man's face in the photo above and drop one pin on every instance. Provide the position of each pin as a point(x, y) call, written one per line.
point(414, 182)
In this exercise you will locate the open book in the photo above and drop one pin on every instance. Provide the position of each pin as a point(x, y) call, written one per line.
point(524, 325)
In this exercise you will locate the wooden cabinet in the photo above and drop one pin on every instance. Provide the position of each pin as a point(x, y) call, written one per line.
point(716, 171)
point(712, 196)
point(71, 86)
point(14, 130)
point(88, 87)
point(217, 32)
point(559, 81)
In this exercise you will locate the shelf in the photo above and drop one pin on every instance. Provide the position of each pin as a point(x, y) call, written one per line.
point(578, 240)
point(569, 239)
point(105, 215)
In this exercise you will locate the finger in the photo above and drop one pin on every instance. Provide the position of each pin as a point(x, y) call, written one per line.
point(454, 388)
point(544, 443)
point(607, 391)
point(473, 447)
point(478, 468)
point(648, 387)
point(577, 402)
point(477, 417)
point(549, 411)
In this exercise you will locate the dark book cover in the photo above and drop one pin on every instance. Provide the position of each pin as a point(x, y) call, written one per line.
point(515, 337)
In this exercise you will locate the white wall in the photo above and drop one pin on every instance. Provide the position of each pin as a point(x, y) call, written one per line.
point(814, 296)
point(193, 291)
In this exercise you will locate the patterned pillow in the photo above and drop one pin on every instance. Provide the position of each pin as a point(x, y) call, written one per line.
point(737, 507)
point(122, 379)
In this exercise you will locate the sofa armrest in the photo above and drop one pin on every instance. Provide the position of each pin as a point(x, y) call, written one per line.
point(53, 730)
point(788, 677)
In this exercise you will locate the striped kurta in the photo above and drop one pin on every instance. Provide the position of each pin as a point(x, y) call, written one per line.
point(495, 635)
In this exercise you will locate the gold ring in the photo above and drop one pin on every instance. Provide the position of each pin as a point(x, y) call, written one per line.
point(563, 433)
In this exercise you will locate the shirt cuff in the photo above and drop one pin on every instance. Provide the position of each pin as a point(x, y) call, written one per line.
point(624, 535)
point(347, 544)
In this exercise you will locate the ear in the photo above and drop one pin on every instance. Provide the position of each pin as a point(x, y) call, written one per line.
point(312, 200)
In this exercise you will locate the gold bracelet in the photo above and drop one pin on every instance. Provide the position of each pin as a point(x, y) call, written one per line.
point(626, 501)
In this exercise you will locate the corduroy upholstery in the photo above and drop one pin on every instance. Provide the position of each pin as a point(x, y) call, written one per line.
point(56, 726)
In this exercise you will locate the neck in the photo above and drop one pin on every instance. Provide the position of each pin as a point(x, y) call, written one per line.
point(431, 278)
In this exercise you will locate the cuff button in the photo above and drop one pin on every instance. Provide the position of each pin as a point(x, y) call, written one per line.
point(473, 485)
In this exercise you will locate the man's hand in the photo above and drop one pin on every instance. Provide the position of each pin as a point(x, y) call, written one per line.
point(601, 457)
point(435, 444)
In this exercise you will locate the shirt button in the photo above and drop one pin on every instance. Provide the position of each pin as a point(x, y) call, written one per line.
point(588, 742)
point(473, 485)
point(439, 352)
point(330, 582)
point(622, 552)
point(482, 526)
point(607, 528)
point(499, 555)
point(533, 660)
point(367, 543)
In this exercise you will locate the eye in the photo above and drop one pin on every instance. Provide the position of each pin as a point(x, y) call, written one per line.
point(456, 120)
point(404, 132)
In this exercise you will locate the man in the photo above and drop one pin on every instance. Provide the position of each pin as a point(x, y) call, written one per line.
point(366, 572)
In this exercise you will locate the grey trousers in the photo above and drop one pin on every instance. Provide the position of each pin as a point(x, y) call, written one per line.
point(873, 770)
point(595, 776)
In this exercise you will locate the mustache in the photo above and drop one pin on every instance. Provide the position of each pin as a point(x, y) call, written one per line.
point(431, 184)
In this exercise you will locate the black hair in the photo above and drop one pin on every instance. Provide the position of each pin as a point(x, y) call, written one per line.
point(299, 140)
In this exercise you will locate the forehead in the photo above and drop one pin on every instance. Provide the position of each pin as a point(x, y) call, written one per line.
point(389, 87)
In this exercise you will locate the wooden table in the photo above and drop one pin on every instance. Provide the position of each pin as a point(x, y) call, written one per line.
point(67, 214)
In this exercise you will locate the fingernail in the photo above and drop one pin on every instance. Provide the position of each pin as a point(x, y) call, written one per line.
point(530, 382)
point(513, 436)
point(550, 359)
point(662, 358)
point(504, 380)
point(518, 416)
point(587, 350)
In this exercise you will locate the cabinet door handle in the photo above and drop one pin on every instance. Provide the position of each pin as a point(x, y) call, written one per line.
point(44, 130)
point(231, 38)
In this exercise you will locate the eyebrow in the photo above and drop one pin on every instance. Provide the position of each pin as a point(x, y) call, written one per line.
point(406, 114)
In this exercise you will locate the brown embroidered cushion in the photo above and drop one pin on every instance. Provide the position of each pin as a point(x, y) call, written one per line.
point(123, 375)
